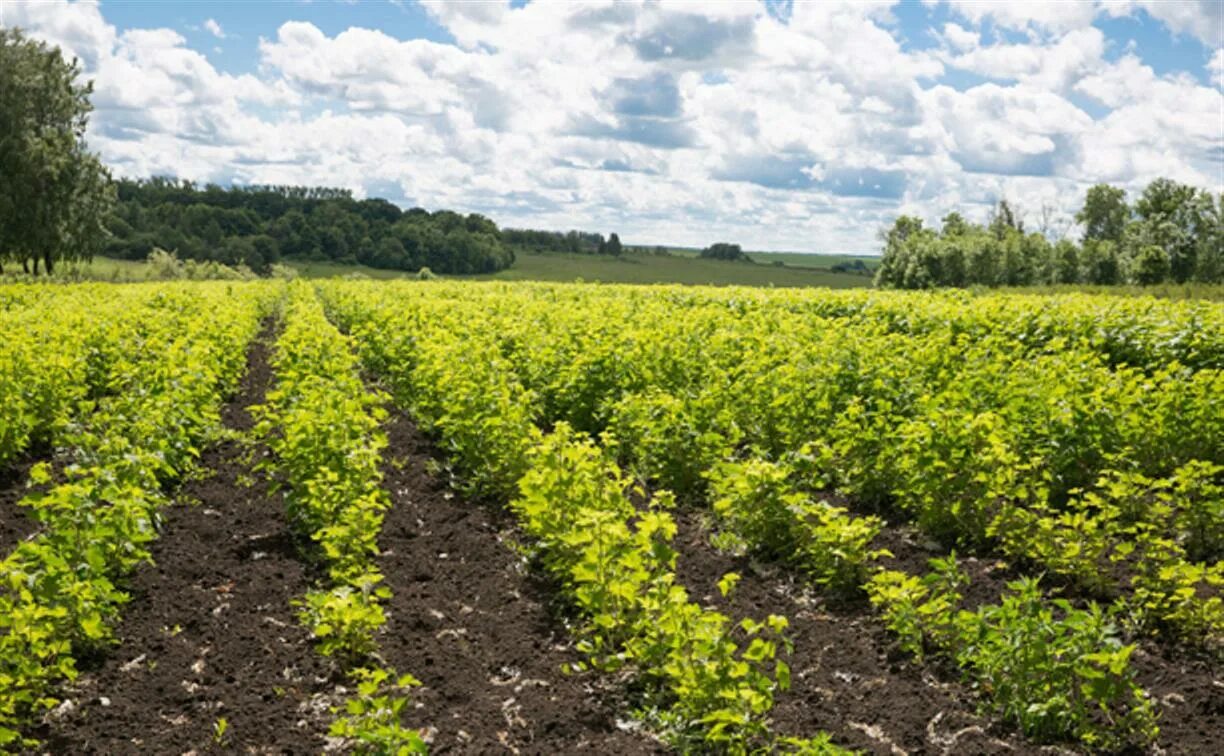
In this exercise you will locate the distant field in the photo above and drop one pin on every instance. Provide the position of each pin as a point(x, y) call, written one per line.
point(645, 269)
point(804, 260)
point(681, 269)
point(629, 268)
point(793, 259)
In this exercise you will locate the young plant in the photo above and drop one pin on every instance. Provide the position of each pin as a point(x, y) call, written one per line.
point(371, 721)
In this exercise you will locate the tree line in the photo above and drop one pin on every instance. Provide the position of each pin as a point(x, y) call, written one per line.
point(573, 242)
point(260, 225)
point(1172, 232)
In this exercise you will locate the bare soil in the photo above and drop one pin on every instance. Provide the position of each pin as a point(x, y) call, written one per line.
point(470, 621)
point(16, 524)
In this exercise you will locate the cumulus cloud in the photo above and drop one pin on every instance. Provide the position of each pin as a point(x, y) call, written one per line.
point(1203, 19)
point(214, 28)
point(1215, 67)
point(664, 120)
point(1053, 15)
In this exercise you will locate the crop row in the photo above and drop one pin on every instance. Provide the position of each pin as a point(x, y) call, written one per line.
point(322, 426)
point(989, 437)
point(175, 355)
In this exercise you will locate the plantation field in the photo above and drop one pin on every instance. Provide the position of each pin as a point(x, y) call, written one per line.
point(400, 516)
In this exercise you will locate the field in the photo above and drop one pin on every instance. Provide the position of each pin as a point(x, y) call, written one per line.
point(399, 516)
point(629, 268)
point(820, 261)
point(663, 269)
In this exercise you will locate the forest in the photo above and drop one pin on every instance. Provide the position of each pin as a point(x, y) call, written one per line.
point(259, 225)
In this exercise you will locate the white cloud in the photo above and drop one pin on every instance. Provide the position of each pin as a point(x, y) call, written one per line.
point(1053, 65)
point(961, 39)
point(665, 121)
point(1050, 15)
point(214, 28)
point(1203, 19)
point(1215, 67)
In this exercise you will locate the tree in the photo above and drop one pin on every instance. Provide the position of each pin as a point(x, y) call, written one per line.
point(1099, 262)
point(55, 195)
point(614, 245)
point(1150, 266)
point(1209, 267)
point(1105, 213)
point(1005, 219)
point(723, 251)
point(1175, 216)
point(903, 264)
point(1066, 263)
point(954, 225)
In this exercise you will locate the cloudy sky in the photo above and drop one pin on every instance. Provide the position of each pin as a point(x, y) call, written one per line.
point(779, 125)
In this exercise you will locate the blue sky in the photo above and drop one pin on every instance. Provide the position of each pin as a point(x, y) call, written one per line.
point(776, 125)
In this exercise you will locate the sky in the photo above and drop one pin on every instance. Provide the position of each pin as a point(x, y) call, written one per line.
point(781, 125)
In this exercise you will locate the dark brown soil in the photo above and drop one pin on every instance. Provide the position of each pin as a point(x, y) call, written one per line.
point(1189, 694)
point(210, 632)
point(847, 677)
point(912, 551)
point(16, 524)
point(470, 622)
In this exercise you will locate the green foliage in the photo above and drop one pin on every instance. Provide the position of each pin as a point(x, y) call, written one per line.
point(714, 681)
point(257, 227)
point(322, 425)
point(707, 680)
point(55, 193)
point(1175, 236)
point(1105, 213)
point(344, 620)
point(672, 441)
point(370, 722)
point(723, 251)
point(1055, 675)
point(1150, 265)
point(165, 266)
point(1054, 670)
point(1141, 539)
point(756, 502)
point(920, 610)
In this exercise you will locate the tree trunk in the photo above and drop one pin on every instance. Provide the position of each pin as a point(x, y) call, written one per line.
point(48, 263)
point(25, 266)
point(36, 265)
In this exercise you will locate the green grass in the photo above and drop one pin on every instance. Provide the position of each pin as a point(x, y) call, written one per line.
point(629, 268)
point(792, 259)
point(804, 260)
point(307, 269)
point(655, 269)
point(642, 269)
